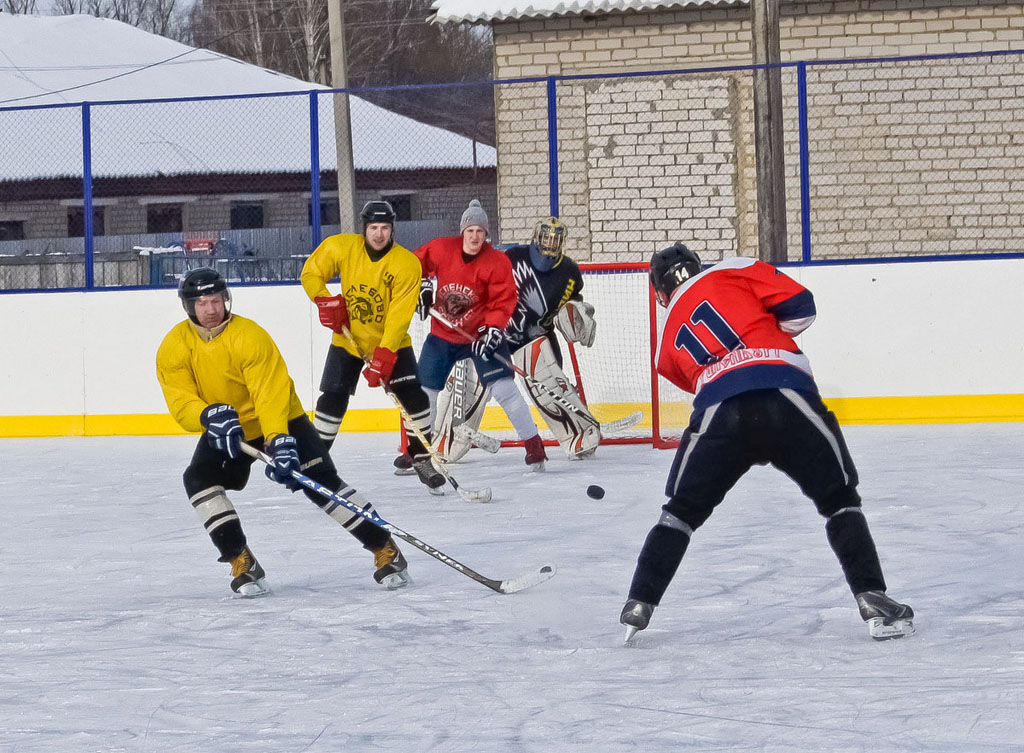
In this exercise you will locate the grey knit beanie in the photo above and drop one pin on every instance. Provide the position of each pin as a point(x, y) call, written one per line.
point(474, 215)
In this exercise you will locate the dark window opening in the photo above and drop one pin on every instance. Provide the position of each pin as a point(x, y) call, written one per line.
point(164, 218)
point(246, 215)
point(402, 206)
point(330, 214)
point(76, 222)
point(12, 230)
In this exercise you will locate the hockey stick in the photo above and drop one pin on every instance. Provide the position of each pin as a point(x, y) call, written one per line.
point(509, 586)
point(508, 364)
point(469, 495)
point(491, 444)
point(479, 439)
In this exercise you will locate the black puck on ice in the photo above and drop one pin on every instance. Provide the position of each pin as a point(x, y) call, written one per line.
point(595, 492)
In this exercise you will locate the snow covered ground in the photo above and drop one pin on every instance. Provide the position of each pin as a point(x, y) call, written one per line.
point(118, 633)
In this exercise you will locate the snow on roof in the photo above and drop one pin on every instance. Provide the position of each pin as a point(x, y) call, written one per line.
point(458, 11)
point(49, 60)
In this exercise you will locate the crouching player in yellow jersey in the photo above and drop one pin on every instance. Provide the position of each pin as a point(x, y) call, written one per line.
point(380, 286)
point(223, 375)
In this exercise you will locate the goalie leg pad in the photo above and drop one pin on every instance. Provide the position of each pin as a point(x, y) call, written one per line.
point(577, 436)
point(462, 401)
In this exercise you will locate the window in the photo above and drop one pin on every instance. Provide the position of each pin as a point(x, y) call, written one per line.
point(246, 214)
point(76, 221)
point(329, 212)
point(12, 230)
point(164, 218)
point(402, 206)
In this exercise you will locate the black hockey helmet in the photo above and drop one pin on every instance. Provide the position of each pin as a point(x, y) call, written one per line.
point(547, 243)
point(670, 268)
point(378, 211)
point(200, 282)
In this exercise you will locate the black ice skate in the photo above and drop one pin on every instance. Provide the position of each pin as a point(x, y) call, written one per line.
point(636, 615)
point(885, 618)
point(392, 569)
point(428, 474)
point(249, 578)
point(403, 465)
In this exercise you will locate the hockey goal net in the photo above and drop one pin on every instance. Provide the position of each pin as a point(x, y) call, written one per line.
point(615, 376)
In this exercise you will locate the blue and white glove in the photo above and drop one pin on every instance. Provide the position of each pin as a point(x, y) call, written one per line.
point(488, 340)
point(223, 429)
point(284, 451)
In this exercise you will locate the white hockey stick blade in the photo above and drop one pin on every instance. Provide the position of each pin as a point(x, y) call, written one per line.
point(622, 423)
point(474, 495)
point(484, 442)
point(528, 580)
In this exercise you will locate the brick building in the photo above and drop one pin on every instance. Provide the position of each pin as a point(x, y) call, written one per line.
point(909, 157)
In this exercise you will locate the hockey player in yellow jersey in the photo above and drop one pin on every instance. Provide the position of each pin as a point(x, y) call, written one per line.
point(380, 285)
point(223, 375)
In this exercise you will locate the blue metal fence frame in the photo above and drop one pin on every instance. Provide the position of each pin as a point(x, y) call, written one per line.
point(551, 83)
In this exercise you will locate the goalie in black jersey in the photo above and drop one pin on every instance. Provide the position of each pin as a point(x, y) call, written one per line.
point(550, 289)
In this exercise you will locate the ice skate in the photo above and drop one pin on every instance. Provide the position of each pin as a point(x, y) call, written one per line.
point(636, 615)
point(428, 474)
point(249, 578)
point(535, 455)
point(886, 618)
point(403, 465)
point(392, 569)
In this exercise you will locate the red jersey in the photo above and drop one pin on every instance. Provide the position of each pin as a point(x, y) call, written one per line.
point(730, 330)
point(480, 292)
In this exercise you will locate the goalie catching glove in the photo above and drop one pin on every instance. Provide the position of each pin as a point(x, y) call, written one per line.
point(284, 451)
point(379, 370)
point(333, 312)
point(223, 429)
point(488, 340)
point(575, 320)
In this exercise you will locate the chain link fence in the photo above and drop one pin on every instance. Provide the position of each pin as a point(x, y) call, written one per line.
point(901, 158)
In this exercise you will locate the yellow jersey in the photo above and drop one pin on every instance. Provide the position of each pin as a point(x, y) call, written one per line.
point(380, 295)
point(241, 366)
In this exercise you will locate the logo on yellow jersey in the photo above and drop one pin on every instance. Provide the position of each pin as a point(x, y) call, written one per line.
point(366, 304)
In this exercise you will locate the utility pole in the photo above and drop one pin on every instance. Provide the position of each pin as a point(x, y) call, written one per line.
point(771, 179)
point(342, 120)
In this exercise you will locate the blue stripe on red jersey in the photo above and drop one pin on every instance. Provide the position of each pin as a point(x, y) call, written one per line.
point(753, 377)
point(799, 306)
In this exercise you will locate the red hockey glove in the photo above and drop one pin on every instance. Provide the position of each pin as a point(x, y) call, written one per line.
point(379, 370)
point(333, 312)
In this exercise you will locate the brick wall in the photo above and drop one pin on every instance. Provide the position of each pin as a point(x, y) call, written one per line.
point(905, 158)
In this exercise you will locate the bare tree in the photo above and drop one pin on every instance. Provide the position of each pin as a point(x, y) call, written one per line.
point(158, 16)
point(18, 6)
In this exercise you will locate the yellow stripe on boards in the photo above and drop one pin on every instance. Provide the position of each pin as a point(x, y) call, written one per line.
point(161, 424)
point(936, 409)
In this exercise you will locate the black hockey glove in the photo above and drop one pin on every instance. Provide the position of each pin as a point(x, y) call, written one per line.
point(488, 340)
point(223, 429)
point(284, 450)
point(426, 299)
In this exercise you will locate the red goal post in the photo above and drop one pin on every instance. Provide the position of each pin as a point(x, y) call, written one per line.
point(617, 375)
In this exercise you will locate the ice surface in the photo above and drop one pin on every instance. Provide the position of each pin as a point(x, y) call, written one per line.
point(118, 633)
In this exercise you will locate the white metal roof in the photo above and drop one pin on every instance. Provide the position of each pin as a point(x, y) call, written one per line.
point(458, 11)
point(47, 60)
